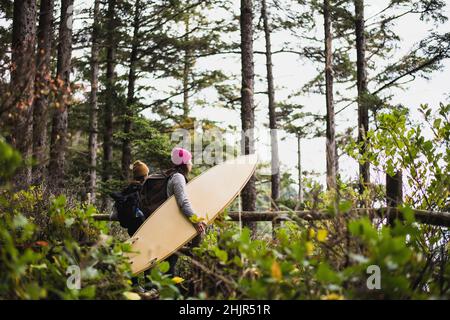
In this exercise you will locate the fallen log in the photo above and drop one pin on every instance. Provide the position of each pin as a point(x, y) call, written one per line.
point(441, 219)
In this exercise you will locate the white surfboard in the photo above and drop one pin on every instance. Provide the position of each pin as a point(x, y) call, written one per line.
point(167, 229)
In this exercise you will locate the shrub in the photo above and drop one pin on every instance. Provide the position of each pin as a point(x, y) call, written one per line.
point(38, 250)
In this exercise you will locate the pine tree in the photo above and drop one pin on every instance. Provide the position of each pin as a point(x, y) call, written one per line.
point(94, 107)
point(110, 95)
point(22, 83)
point(275, 161)
point(58, 143)
point(361, 84)
point(331, 127)
point(130, 108)
point(247, 103)
point(42, 87)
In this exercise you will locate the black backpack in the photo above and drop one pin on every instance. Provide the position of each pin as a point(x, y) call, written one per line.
point(154, 191)
point(138, 201)
point(128, 206)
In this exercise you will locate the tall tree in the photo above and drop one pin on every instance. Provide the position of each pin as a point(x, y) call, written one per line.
point(247, 102)
point(110, 93)
point(187, 67)
point(93, 111)
point(330, 131)
point(299, 169)
point(129, 108)
point(275, 161)
point(58, 143)
point(42, 87)
point(361, 83)
point(22, 81)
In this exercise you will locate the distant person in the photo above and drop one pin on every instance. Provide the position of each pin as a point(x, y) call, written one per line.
point(126, 207)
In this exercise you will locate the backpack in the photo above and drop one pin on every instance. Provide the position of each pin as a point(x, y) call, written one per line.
point(128, 207)
point(138, 201)
point(154, 191)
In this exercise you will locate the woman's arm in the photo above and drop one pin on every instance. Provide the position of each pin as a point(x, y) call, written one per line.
point(179, 190)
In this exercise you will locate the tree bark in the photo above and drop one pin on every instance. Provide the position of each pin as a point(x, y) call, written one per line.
point(93, 112)
point(129, 109)
point(247, 104)
point(58, 144)
point(23, 73)
point(363, 110)
point(43, 77)
point(330, 131)
point(394, 194)
point(300, 176)
point(186, 71)
point(275, 161)
point(110, 99)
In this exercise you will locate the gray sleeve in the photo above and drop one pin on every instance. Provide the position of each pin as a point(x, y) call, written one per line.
point(179, 190)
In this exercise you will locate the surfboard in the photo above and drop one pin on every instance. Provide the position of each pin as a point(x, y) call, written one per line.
point(167, 229)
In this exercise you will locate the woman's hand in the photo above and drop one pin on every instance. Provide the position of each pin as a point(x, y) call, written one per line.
point(200, 227)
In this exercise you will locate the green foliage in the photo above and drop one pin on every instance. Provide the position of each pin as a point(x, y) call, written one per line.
point(151, 145)
point(165, 284)
point(10, 160)
point(299, 264)
point(39, 247)
point(419, 150)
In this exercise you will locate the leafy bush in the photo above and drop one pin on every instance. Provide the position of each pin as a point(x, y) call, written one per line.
point(9, 160)
point(39, 249)
point(304, 263)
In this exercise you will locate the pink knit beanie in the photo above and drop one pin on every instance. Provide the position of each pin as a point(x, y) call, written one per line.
point(180, 156)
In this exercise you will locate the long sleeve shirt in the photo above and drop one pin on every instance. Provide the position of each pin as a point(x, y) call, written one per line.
point(177, 186)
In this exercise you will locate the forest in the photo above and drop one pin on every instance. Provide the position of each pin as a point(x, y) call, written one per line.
point(345, 102)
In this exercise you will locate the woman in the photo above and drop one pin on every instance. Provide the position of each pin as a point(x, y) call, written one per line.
point(182, 161)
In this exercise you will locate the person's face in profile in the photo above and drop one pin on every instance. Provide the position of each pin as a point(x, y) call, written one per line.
point(189, 166)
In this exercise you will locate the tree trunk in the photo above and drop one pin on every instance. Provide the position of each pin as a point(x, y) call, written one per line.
point(247, 103)
point(394, 193)
point(110, 99)
point(58, 143)
point(300, 176)
point(22, 83)
point(93, 114)
point(43, 76)
point(330, 132)
point(186, 71)
point(275, 161)
point(363, 110)
point(129, 109)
